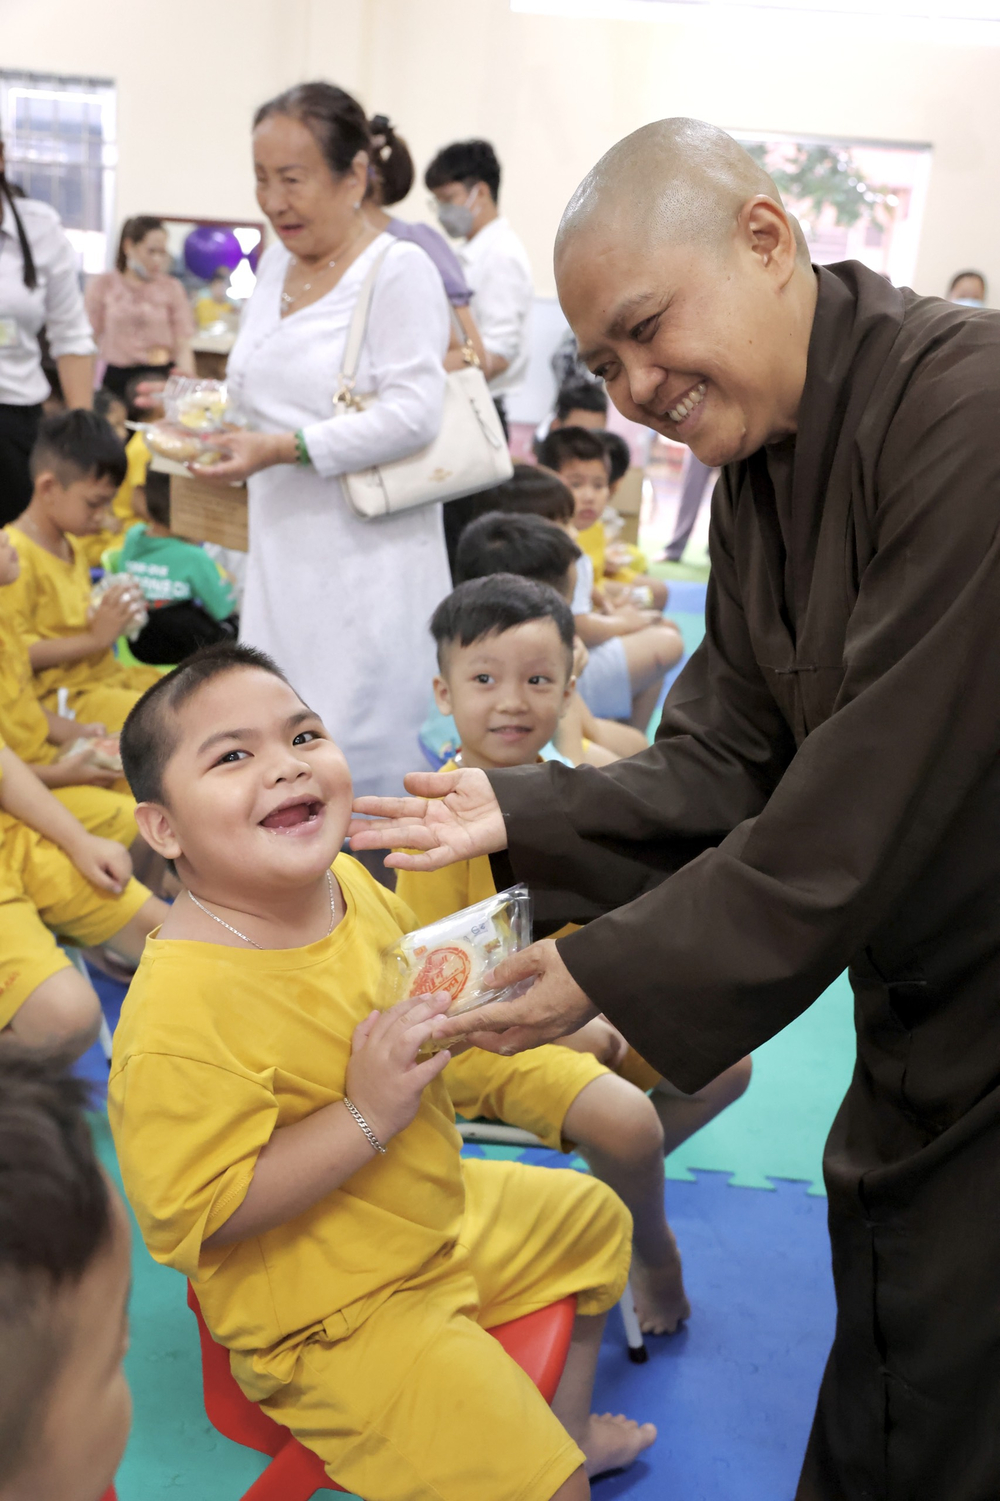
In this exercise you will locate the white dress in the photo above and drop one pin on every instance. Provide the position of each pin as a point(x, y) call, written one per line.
point(343, 604)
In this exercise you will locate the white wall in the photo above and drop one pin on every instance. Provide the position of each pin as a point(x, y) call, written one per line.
point(552, 94)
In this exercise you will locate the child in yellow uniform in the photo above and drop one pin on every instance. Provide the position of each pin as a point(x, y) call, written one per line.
point(283, 1147)
point(505, 651)
point(581, 458)
point(97, 797)
point(56, 878)
point(76, 464)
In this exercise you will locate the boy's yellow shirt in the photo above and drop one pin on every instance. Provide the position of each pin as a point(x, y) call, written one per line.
point(50, 599)
point(217, 1047)
point(138, 455)
point(593, 542)
point(22, 720)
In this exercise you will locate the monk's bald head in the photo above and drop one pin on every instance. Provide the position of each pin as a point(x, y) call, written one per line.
point(676, 181)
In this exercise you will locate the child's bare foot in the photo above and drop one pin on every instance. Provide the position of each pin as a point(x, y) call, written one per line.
point(613, 1442)
point(661, 1303)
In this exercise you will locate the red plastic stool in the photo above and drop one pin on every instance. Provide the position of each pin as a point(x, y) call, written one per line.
point(539, 1343)
point(109, 1495)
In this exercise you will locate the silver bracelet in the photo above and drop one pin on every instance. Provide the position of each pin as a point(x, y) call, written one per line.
point(365, 1126)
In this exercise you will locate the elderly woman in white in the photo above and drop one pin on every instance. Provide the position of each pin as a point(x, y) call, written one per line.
point(341, 603)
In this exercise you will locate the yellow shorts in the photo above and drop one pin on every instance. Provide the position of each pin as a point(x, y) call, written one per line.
point(420, 1403)
point(103, 811)
point(108, 700)
point(533, 1090)
point(42, 893)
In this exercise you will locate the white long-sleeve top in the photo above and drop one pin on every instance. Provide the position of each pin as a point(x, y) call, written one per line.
point(55, 303)
point(341, 603)
point(497, 269)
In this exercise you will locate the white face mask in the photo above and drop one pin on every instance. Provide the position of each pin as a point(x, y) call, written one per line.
point(456, 218)
point(137, 268)
point(968, 301)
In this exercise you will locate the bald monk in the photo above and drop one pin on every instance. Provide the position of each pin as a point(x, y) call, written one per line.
point(824, 790)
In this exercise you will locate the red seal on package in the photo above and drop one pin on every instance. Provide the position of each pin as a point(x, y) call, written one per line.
point(447, 968)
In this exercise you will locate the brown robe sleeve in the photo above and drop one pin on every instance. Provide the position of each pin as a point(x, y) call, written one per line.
point(736, 875)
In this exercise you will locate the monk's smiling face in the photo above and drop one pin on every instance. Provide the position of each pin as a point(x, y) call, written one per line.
point(691, 300)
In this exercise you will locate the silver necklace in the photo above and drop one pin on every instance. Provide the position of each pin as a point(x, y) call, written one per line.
point(202, 908)
point(287, 298)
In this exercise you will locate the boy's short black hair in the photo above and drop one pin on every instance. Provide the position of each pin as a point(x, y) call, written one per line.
point(531, 490)
point(565, 443)
point(147, 741)
point(526, 545)
point(498, 602)
point(468, 162)
point(581, 396)
point(55, 1217)
point(157, 490)
point(78, 445)
point(618, 454)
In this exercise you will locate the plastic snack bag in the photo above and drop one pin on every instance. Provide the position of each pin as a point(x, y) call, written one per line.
point(102, 753)
point(458, 954)
point(128, 585)
point(198, 414)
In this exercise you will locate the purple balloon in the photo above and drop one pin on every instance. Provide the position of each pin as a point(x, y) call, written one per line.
point(207, 248)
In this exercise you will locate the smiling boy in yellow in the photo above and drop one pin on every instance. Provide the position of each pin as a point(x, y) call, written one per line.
point(283, 1147)
point(505, 655)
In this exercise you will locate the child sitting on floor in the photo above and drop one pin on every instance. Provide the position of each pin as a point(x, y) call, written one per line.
point(76, 465)
point(583, 461)
point(190, 601)
point(283, 1147)
point(64, 1283)
point(505, 651)
point(56, 878)
point(498, 543)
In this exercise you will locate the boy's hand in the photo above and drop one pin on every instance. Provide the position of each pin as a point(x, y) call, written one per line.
point(112, 616)
point(456, 818)
point(384, 1079)
point(93, 731)
point(105, 864)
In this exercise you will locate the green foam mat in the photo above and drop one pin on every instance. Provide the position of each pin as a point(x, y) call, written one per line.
point(778, 1128)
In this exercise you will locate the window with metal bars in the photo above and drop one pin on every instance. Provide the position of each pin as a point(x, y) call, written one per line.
point(59, 140)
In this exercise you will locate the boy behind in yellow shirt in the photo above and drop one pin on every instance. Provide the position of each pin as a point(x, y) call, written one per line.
point(284, 1148)
point(505, 653)
point(77, 464)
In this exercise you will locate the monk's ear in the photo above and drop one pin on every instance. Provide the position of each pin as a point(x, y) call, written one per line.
point(766, 230)
point(155, 827)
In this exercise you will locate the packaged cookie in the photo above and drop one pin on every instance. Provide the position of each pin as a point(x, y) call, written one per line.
point(458, 954)
point(198, 413)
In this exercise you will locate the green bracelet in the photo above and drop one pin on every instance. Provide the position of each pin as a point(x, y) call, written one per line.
point(301, 450)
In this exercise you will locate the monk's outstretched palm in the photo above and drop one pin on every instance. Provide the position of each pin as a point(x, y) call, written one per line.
point(453, 815)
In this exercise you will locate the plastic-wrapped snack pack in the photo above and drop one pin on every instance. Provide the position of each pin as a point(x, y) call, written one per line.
point(130, 588)
point(458, 954)
point(102, 752)
point(198, 416)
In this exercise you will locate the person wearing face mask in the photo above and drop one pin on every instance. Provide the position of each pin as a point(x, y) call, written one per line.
point(39, 288)
point(968, 288)
point(465, 181)
point(140, 314)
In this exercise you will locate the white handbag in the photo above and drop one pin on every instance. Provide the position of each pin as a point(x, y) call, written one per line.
point(469, 453)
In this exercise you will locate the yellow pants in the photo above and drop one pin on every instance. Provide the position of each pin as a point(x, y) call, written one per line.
point(533, 1090)
point(107, 700)
point(42, 893)
point(420, 1403)
point(103, 811)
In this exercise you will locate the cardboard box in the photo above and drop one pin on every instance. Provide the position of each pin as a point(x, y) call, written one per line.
point(628, 504)
point(206, 512)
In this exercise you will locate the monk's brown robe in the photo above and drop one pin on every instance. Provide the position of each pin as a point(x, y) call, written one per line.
point(824, 792)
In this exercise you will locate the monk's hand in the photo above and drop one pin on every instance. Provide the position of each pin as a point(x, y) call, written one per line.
point(453, 815)
point(554, 1005)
